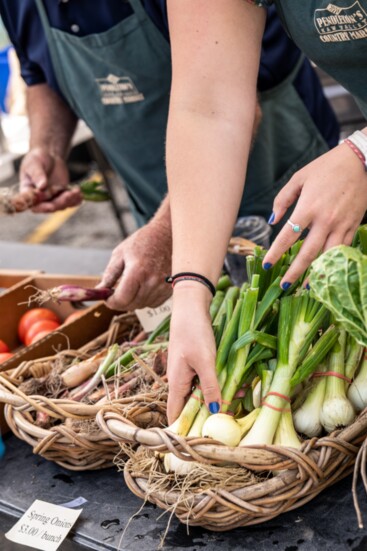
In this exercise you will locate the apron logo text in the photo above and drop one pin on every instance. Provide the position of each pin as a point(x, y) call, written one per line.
point(336, 24)
point(118, 90)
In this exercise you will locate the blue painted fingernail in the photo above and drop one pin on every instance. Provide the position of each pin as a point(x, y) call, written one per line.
point(308, 287)
point(267, 265)
point(271, 219)
point(214, 407)
point(285, 286)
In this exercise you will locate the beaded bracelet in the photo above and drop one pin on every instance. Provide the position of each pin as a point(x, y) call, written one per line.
point(191, 276)
point(357, 151)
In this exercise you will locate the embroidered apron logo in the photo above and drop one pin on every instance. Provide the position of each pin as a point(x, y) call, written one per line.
point(117, 90)
point(336, 24)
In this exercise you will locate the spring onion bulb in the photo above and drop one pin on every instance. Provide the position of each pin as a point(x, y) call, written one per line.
point(307, 417)
point(336, 411)
point(79, 372)
point(357, 392)
point(247, 421)
point(222, 427)
point(171, 462)
point(85, 389)
point(285, 434)
point(72, 293)
point(174, 464)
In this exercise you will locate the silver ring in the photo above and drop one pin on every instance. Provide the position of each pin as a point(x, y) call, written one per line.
point(295, 227)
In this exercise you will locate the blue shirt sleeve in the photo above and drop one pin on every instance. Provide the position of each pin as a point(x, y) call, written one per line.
point(25, 29)
point(31, 71)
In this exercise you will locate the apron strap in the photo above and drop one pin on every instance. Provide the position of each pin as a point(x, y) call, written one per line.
point(287, 81)
point(139, 11)
point(44, 18)
point(53, 51)
point(282, 18)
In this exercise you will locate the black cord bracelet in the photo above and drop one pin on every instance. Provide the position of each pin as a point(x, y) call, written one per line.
point(191, 276)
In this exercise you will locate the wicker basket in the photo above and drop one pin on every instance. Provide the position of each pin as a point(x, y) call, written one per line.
point(75, 441)
point(300, 474)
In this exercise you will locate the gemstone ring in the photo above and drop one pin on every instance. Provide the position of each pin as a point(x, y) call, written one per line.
point(295, 227)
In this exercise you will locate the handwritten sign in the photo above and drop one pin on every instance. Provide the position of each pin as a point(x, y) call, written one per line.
point(150, 318)
point(43, 526)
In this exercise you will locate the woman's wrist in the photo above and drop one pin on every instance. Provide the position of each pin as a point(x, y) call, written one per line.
point(357, 142)
point(186, 291)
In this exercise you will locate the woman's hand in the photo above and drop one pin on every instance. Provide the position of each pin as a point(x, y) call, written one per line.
point(192, 349)
point(331, 195)
point(48, 174)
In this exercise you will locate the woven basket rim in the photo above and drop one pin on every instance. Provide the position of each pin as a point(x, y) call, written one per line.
point(76, 446)
point(208, 450)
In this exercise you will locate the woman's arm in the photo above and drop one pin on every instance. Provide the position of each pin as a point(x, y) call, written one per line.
point(215, 55)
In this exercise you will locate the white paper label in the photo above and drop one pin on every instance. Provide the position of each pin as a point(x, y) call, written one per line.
point(43, 526)
point(150, 318)
point(75, 503)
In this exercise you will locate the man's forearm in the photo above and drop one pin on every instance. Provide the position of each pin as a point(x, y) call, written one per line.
point(163, 214)
point(52, 123)
point(161, 221)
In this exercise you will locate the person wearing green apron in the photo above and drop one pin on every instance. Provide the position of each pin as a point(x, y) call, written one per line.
point(334, 36)
point(118, 78)
point(329, 193)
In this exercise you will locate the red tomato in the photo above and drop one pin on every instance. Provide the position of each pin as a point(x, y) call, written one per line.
point(39, 336)
point(74, 316)
point(5, 356)
point(38, 327)
point(32, 316)
point(4, 347)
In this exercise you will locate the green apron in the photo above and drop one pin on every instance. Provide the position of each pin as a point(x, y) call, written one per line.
point(119, 82)
point(334, 35)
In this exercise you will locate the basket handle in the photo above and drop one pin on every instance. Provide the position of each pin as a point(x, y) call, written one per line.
point(118, 429)
point(11, 399)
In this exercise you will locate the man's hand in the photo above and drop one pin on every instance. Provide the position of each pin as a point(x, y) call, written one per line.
point(49, 175)
point(141, 262)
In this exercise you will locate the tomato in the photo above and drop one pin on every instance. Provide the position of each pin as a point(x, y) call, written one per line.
point(32, 316)
point(74, 316)
point(4, 347)
point(38, 327)
point(5, 356)
point(39, 336)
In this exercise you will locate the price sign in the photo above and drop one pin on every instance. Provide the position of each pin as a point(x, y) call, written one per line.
point(43, 526)
point(150, 318)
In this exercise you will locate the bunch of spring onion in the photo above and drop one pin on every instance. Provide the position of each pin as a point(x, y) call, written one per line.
point(11, 203)
point(112, 373)
point(269, 345)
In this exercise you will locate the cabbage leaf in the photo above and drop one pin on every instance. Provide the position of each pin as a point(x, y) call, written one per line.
point(338, 279)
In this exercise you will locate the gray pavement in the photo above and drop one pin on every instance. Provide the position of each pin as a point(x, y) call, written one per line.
point(92, 225)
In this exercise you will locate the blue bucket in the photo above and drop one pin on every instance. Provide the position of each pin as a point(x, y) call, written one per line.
point(4, 77)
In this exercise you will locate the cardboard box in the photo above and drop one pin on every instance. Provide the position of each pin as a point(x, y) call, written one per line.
point(10, 278)
point(14, 303)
